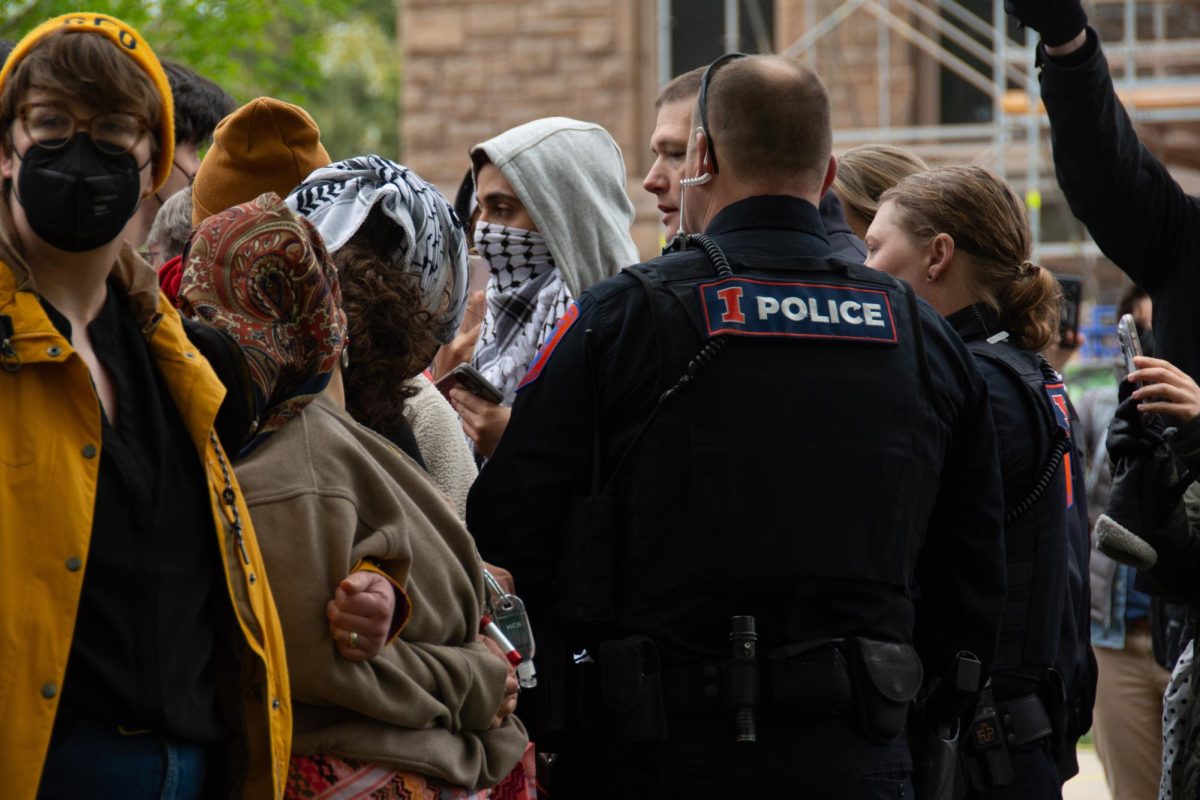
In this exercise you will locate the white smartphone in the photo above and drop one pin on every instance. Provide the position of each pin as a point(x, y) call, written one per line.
point(1131, 345)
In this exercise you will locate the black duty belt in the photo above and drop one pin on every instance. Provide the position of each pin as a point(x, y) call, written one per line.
point(810, 681)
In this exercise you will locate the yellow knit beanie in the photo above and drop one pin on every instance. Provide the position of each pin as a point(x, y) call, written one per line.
point(265, 146)
point(128, 41)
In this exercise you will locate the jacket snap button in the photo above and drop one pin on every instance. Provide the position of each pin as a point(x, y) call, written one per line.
point(275, 703)
point(189, 355)
point(74, 564)
point(89, 451)
point(49, 690)
point(54, 351)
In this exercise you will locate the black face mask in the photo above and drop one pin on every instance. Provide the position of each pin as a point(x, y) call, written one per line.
point(78, 197)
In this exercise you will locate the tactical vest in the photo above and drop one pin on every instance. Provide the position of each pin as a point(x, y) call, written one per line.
point(1044, 526)
point(804, 457)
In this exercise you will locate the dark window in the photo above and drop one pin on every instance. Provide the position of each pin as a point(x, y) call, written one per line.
point(960, 101)
point(698, 30)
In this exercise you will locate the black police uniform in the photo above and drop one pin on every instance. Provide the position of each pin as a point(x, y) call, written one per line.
point(842, 241)
point(1044, 675)
point(836, 453)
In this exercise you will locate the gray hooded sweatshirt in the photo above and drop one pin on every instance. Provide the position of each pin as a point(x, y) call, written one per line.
point(570, 177)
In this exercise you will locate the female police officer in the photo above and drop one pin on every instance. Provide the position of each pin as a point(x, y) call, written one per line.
point(960, 236)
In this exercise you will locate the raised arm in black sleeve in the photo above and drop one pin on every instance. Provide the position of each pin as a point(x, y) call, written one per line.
point(1137, 213)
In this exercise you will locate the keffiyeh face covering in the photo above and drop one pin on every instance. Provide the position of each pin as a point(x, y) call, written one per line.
point(337, 199)
point(262, 275)
point(525, 299)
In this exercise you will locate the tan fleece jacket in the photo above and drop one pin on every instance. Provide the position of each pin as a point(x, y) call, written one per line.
point(324, 493)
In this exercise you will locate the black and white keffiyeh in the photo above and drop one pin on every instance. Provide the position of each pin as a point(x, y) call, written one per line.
point(337, 199)
point(525, 296)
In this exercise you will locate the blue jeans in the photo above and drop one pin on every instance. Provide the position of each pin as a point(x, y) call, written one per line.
point(99, 762)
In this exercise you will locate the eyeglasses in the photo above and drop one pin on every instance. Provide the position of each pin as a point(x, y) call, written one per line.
point(708, 73)
point(52, 127)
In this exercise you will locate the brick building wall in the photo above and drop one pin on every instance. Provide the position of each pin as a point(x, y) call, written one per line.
point(847, 60)
point(474, 68)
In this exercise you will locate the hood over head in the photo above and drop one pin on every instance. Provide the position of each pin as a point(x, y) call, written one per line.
point(570, 177)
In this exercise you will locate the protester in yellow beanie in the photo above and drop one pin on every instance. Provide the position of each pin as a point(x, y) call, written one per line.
point(265, 146)
point(141, 654)
point(161, 113)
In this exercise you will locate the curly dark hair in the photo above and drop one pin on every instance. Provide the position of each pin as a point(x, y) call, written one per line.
point(391, 328)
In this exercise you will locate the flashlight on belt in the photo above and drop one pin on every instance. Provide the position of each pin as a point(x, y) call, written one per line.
point(743, 678)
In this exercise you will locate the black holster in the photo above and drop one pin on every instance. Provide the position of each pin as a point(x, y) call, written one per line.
point(935, 758)
point(985, 757)
point(935, 732)
point(1053, 695)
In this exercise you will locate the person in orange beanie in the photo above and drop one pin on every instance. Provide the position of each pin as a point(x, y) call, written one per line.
point(265, 146)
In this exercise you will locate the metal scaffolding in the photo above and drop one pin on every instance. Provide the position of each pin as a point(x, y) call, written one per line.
point(1158, 77)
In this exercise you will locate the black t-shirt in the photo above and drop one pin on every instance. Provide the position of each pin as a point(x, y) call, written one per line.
point(142, 652)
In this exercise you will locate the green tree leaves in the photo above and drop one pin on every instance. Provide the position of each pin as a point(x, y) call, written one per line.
point(336, 58)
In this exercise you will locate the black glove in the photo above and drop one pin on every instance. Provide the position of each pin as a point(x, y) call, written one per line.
point(1148, 482)
point(1058, 21)
point(1132, 434)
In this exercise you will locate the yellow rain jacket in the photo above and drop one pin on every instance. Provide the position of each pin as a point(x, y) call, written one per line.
point(49, 460)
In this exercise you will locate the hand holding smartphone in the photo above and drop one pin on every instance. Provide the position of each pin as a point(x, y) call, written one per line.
point(1131, 345)
point(472, 380)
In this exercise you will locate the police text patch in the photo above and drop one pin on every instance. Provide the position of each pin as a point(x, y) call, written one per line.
point(750, 307)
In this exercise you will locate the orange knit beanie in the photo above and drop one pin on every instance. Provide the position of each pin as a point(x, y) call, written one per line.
point(265, 146)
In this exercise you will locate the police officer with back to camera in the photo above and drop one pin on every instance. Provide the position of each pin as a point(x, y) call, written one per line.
point(750, 492)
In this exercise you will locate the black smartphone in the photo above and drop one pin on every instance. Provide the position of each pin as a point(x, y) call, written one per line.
point(1068, 320)
point(472, 380)
point(1131, 345)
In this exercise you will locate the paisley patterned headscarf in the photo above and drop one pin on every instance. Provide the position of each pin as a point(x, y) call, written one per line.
point(262, 275)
